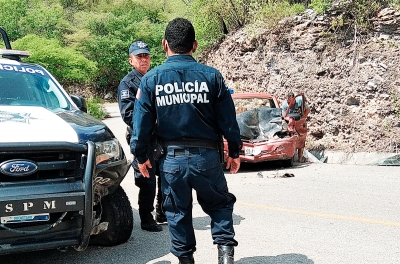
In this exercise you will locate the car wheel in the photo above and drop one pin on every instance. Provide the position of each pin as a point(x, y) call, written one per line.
point(117, 211)
point(288, 162)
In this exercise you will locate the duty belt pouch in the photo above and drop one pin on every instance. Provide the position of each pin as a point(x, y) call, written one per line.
point(158, 150)
point(128, 135)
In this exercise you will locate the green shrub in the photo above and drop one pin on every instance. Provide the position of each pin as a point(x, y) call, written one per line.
point(43, 18)
point(273, 12)
point(96, 108)
point(320, 6)
point(10, 21)
point(360, 12)
point(66, 64)
point(112, 34)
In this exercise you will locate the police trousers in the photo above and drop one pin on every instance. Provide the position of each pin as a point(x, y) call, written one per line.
point(147, 186)
point(191, 168)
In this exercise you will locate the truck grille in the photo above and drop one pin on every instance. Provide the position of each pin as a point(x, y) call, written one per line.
point(54, 160)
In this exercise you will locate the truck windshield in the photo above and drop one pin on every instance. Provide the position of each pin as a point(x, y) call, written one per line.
point(30, 86)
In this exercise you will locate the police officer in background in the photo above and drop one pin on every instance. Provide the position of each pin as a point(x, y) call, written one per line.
point(139, 59)
point(193, 108)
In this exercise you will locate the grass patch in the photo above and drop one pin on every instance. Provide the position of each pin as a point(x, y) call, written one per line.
point(320, 6)
point(96, 108)
point(272, 13)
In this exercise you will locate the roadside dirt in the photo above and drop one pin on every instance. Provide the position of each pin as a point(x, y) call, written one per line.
point(352, 85)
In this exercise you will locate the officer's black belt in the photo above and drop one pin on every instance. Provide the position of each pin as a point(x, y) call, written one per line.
point(191, 150)
point(190, 143)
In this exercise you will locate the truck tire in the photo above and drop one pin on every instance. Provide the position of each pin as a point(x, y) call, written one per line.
point(117, 211)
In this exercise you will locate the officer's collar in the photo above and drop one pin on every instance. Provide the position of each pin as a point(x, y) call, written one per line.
point(136, 72)
point(181, 57)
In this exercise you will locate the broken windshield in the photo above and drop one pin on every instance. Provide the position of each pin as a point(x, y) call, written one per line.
point(257, 120)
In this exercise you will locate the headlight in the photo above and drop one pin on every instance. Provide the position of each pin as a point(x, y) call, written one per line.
point(107, 151)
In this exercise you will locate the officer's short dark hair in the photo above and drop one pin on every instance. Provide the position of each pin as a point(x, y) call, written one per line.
point(180, 35)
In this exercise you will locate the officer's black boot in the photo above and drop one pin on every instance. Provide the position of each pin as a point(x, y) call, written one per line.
point(186, 260)
point(147, 222)
point(225, 254)
point(160, 216)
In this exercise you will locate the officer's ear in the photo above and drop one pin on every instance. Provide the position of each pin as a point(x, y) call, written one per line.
point(164, 44)
point(195, 44)
point(130, 60)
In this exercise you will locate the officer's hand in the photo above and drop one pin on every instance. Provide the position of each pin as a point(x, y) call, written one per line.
point(233, 165)
point(143, 168)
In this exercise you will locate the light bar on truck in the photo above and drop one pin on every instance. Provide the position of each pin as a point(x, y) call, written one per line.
point(11, 52)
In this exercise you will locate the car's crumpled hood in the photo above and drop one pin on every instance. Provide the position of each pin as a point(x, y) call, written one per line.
point(260, 123)
point(33, 124)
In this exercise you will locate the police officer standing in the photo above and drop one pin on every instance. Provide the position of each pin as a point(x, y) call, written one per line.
point(193, 108)
point(139, 59)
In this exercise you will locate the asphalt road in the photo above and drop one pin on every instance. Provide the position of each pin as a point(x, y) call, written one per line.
point(325, 214)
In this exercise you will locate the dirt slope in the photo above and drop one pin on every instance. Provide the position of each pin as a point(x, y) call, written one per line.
point(352, 86)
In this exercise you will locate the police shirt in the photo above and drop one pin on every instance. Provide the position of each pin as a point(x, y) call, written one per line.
point(127, 90)
point(188, 100)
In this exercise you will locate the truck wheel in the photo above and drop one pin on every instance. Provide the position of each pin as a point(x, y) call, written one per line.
point(288, 163)
point(117, 211)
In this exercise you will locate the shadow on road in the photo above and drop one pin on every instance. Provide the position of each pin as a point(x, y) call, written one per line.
point(268, 166)
point(281, 259)
point(203, 223)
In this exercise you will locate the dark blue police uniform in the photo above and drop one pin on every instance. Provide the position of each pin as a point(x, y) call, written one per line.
point(127, 90)
point(191, 113)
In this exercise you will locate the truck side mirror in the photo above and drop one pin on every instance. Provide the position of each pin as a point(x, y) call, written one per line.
point(80, 102)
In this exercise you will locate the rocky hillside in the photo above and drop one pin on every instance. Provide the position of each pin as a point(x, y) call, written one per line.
point(352, 85)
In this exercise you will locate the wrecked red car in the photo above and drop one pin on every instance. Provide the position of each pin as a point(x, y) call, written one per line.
point(269, 132)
